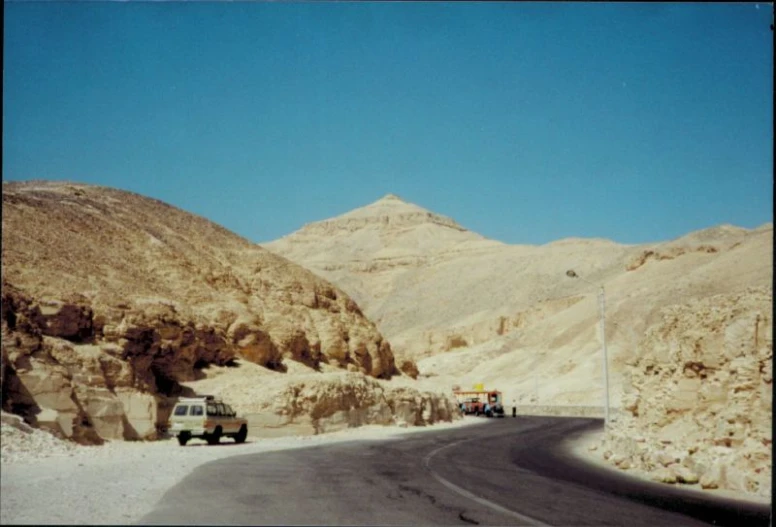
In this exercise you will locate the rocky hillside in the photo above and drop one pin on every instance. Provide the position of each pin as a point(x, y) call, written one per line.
point(472, 310)
point(699, 392)
point(367, 250)
point(417, 274)
point(111, 300)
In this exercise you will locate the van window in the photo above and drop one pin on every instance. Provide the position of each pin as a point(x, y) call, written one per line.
point(212, 410)
point(196, 410)
point(181, 410)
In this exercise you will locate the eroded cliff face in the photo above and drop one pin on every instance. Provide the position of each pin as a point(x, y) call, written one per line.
point(111, 300)
point(698, 403)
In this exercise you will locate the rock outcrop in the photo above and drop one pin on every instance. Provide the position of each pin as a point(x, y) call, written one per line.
point(111, 300)
point(698, 401)
point(314, 403)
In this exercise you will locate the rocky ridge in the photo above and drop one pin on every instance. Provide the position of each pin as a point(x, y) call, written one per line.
point(111, 301)
point(431, 292)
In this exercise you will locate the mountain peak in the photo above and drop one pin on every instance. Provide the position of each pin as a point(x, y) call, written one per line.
point(389, 205)
point(390, 197)
point(389, 213)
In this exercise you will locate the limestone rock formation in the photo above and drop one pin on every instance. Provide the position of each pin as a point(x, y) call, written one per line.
point(700, 393)
point(111, 300)
point(469, 310)
point(314, 403)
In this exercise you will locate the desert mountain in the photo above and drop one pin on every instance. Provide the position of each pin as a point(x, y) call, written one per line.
point(112, 302)
point(381, 241)
point(474, 310)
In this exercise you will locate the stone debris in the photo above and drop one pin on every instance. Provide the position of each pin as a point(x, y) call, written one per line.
point(700, 396)
point(663, 475)
point(20, 442)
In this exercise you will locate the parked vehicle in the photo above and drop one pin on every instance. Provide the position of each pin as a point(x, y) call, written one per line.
point(207, 418)
point(480, 402)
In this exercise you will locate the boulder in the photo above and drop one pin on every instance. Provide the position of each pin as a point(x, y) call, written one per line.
point(140, 414)
point(683, 474)
point(663, 475)
point(65, 320)
point(409, 368)
point(105, 411)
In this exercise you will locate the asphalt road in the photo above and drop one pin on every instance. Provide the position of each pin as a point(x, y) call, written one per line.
point(504, 472)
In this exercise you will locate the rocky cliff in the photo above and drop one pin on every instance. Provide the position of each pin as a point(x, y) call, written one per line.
point(111, 300)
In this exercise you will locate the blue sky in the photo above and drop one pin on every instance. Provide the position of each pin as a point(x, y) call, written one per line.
point(526, 123)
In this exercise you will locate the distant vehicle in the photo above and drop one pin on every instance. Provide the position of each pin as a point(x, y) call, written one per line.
point(207, 418)
point(480, 402)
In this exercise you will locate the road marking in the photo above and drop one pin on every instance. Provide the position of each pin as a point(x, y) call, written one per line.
point(465, 493)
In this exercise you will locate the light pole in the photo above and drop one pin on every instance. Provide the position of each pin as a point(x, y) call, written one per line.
point(602, 318)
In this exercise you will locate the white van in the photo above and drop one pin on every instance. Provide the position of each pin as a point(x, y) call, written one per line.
point(207, 418)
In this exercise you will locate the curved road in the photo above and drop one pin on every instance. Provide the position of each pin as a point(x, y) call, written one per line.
point(503, 472)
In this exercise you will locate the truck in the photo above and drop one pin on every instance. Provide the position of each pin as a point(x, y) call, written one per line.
point(480, 402)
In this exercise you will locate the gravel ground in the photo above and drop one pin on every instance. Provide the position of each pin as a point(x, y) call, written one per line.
point(48, 481)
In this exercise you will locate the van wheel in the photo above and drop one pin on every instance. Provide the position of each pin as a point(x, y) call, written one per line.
point(183, 439)
point(242, 435)
point(215, 437)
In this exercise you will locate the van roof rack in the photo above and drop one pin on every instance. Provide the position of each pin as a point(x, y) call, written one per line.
point(199, 398)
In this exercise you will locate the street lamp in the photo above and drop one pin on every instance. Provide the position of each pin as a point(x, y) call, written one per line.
point(602, 316)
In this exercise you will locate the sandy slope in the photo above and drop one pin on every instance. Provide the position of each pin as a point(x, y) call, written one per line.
point(472, 310)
